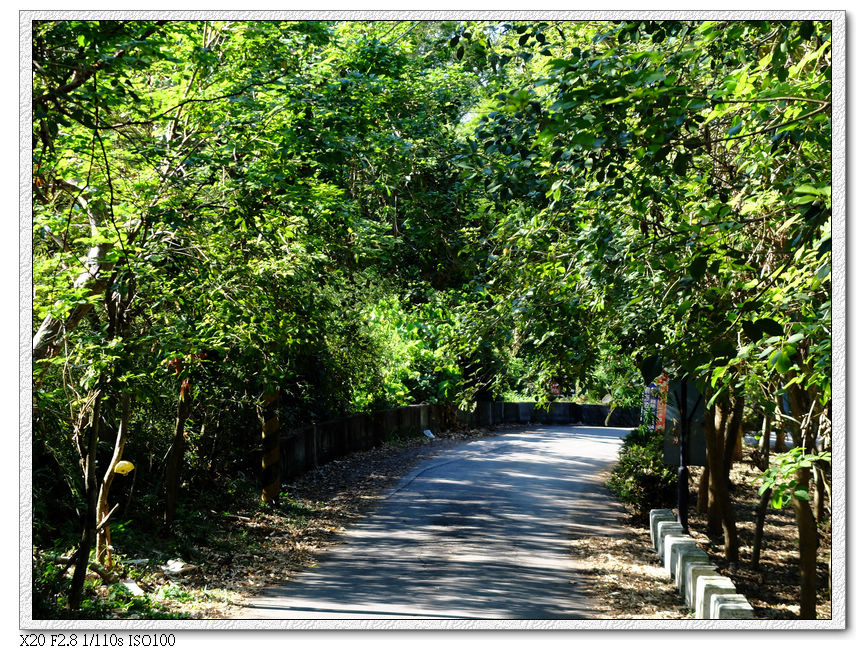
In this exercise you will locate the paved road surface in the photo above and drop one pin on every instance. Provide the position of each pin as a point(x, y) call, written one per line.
point(480, 531)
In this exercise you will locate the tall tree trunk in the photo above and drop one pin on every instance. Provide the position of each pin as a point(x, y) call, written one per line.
point(88, 533)
point(781, 433)
point(802, 405)
point(766, 497)
point(720, 442)
point(717, 421)
point(174, 461)
point(759, 525)
point(733, 433)
point(268, 414)
point(820, 495)
point(103, 531)
point(703, 492)
point(732, 437)
point(807, 551)
point(763, 457)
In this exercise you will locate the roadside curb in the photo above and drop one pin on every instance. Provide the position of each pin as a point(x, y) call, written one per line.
point(708, 594)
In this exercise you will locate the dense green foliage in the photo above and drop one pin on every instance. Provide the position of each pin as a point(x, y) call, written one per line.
point(372, 214)
point(640, 478)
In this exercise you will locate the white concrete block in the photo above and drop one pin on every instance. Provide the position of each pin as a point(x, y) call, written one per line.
point(730, 606)
point(674, 544)
point(707, 586)
point(666, 528)
point(690, 575)
point(656, 517)
point(682, 556)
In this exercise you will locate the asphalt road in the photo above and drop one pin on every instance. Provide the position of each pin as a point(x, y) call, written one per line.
point(480, 531)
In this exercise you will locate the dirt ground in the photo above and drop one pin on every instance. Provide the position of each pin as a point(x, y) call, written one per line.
point(627, 578)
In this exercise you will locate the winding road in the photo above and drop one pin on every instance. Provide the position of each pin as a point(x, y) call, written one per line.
point(480, 531)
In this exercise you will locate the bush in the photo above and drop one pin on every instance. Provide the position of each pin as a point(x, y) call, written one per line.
point(640, 479)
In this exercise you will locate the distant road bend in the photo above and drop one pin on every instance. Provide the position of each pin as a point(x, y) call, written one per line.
point(480, 531)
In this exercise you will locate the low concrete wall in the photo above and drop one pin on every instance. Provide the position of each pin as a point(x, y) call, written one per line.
point(710, 595)
point(307, 447)
point(491, 413)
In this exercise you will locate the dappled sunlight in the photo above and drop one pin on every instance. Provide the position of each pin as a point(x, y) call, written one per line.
point(480, 532)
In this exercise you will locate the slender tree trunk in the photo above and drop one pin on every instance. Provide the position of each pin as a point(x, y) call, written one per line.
point(268, 414)
point(807, 551)
point(720, 443)
point(820, 495)
point(802, 404)
point(781, 433)
point(763, 457)
point(88, 533)
point(718, 489)
point(732, 436)
point(703, 492)
point(103, 531)
point(733, 433)
point(174, 460)
point(759, 525)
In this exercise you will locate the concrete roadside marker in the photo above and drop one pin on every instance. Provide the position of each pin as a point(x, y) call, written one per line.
point(708, 586)
point(731, 606)
point(666, 528)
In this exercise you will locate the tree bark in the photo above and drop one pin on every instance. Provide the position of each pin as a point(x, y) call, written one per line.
point(88, 533)
point(733, 433)
point(763, 457)
point(759, 525)
point(807, 551)
point(720, 442)
point(103, 531)
point(703, 492)
point(268, 414)
point(781, 433)
point(174, 460)
point(717, 420)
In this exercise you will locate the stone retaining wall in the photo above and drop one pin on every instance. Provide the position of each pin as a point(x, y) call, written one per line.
point(707, 593)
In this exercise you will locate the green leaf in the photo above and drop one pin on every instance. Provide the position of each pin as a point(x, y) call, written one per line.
point(680, 165)
point(769, 326)
point(802, 494)
point(697, 268)
point(780, 361)
point(752, 330)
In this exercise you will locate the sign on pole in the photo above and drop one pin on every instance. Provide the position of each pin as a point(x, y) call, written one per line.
point(654, 408)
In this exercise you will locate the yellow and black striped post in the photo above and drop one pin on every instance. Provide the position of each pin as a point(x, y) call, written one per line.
point(268, 414)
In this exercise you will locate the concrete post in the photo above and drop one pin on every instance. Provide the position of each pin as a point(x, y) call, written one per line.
point(666, 528)
point(708, 586)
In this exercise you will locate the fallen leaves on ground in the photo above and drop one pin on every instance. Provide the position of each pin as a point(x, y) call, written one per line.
point(621, 574)
point(773, 588)
point(265, 546)
point(624, 577)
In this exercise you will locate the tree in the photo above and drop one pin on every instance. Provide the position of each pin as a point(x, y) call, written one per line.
point(676, 174)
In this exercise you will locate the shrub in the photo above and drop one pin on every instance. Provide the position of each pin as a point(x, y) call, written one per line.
point(640, 479)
